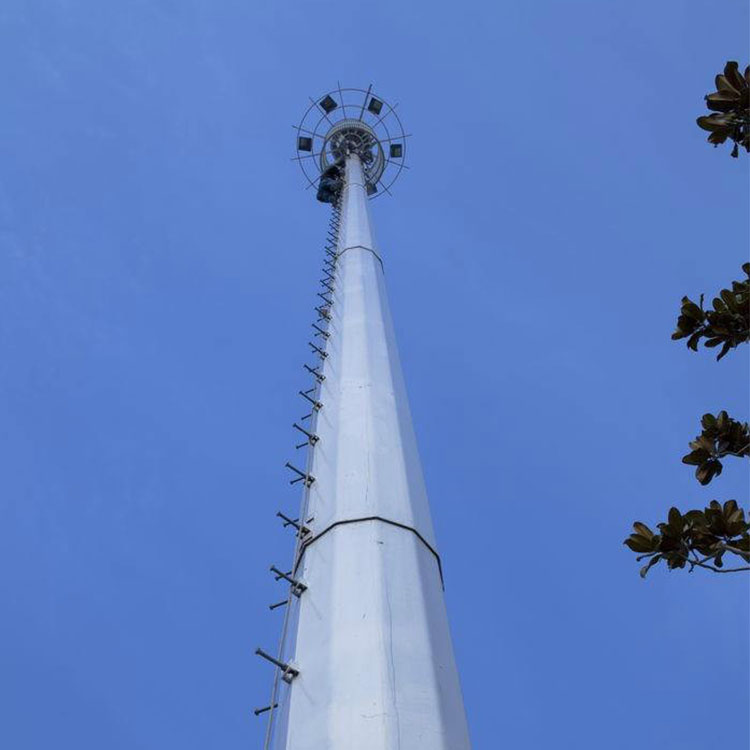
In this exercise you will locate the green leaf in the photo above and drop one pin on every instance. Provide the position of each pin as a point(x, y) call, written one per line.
point(730, 299)
point(708, 421)
point(706, 443)
point(744, 545)
point(696, 457)
point(695, 518)
point(730, 508)
point(727, 346)
point(644, 570)
point(707, 471)
point(638, 543)
point(692, 310)
point(643, 530)
point(675, 519)
point(693, 341)
point(675, 561)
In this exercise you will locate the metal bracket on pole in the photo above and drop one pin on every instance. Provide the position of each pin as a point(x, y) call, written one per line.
point(324, 312)
point(314, 371)
point(331, 253)
point(278, 604)
point(321, 332)
point(329, 302)
point(317, 405)
point(293, 522)
point(259, 711)
point(329, 263)
point(317, 349)
point(308, 479)
point(325, 284)
point(298, 588)
point(311, 437)
point(288, 671)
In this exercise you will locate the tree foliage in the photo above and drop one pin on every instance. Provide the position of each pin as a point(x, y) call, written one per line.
point(699, 538)
point(730, 119)
point(721, 436)
point(725, 324)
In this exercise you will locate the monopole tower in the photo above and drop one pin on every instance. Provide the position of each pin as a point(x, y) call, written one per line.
point(365, 660)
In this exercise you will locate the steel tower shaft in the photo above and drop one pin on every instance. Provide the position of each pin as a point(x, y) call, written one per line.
point(369, 636)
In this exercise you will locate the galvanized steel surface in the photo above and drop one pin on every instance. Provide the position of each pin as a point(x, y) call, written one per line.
point(370, 634)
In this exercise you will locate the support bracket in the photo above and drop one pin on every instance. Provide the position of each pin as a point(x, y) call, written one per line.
point(298, 588)
point(308, 479)
point(318, 350)
point(317, 405)
point(312, 438)
point(288, 672)
point(314, 371)
point(293, 522)
point(321, 332)
point(259, 711)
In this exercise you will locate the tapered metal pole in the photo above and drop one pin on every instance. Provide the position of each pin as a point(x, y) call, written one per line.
point(369, 635)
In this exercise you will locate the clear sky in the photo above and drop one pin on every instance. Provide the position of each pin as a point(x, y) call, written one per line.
point(158, 265)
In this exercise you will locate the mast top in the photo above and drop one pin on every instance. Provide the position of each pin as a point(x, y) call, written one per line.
point(352, 121)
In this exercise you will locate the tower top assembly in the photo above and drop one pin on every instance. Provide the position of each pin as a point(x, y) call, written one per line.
point(350, 121)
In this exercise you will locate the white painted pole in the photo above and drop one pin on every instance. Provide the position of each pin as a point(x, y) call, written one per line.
point(370, 634)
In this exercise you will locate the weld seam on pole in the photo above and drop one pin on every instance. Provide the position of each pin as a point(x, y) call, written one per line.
point(363, 247)
point(307, 543)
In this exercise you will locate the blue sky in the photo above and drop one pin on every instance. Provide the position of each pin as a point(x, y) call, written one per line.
point(158, 264)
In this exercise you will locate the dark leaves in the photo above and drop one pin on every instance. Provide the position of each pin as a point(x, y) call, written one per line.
point(727, 324)
point(698, 538)
point(729, 104)
point(643, 540)
point(704, 538)
point(707, 471)
point(721, 436)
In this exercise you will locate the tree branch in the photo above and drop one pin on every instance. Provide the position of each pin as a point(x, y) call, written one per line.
point(741, 453)
point(721, 570)
point(702, 563)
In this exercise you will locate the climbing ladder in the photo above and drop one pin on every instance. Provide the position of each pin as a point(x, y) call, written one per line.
point(285, 670)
